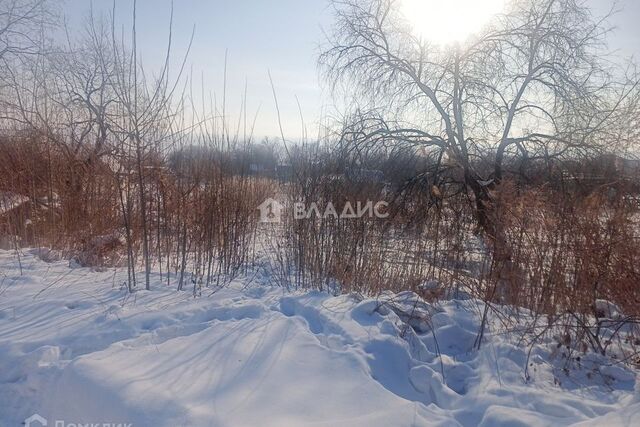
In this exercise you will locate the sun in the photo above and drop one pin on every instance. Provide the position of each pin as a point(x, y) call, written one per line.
point(449, 21)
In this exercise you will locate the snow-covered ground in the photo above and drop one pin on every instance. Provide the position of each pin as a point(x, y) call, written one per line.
point(76, 348)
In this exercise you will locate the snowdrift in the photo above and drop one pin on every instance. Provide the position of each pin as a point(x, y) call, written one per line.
point(76, 348)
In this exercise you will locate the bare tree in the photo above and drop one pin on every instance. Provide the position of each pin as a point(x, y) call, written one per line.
point(146, 118)
point(537, 83)
point(21, 21)
point(22, 27)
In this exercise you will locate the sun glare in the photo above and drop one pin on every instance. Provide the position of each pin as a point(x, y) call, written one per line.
point(449, 21)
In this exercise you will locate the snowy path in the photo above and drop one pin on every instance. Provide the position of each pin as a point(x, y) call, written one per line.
point(75, 347)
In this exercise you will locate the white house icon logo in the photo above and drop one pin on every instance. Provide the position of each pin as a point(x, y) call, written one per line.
point(34, 420)
point(270, 211)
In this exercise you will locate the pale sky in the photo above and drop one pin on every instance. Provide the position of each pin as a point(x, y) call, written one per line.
point(282, 36)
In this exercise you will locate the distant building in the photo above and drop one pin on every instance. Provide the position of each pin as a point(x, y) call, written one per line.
point(15, 222)
point(284, 172)
point(366, 175)
point(257, 168)
point(603, 168)
point(627, 167)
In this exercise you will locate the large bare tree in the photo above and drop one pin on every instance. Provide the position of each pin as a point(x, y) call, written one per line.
point(21, 23)
point(536, 83)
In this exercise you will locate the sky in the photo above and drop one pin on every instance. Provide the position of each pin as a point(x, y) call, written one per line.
point(281, 37)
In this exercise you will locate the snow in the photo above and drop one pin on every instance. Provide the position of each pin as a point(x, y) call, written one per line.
point(10, 201)
point(608, 309)
point(74, 346)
